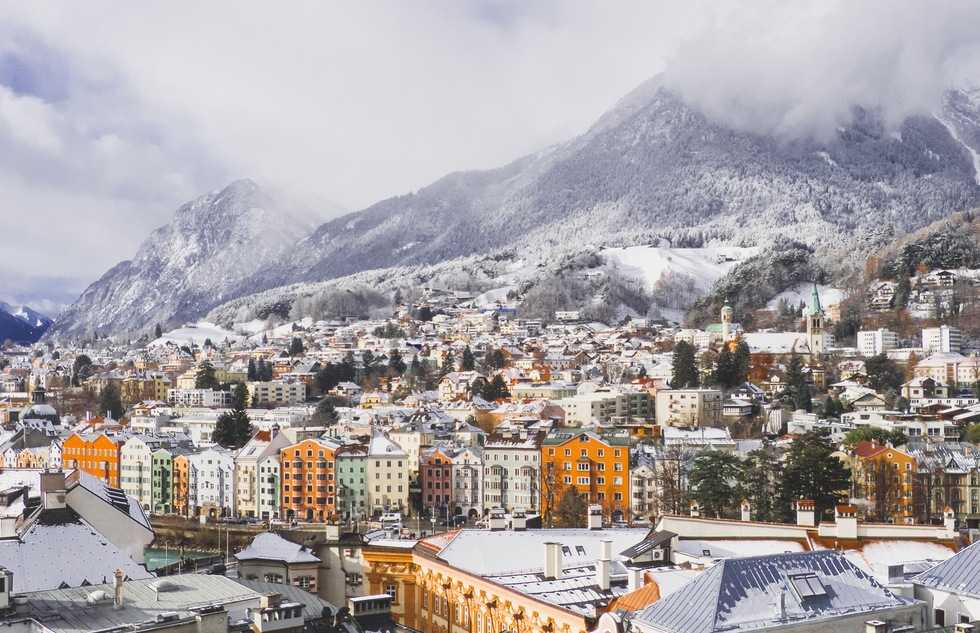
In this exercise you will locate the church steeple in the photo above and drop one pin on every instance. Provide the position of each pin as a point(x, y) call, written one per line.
point(815, 307)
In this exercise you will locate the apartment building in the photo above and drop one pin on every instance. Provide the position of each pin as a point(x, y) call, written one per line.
point(275, 392)
point(247, 475)
point(512, 470)
point(308, 480)
point(597, 467)
point(387, 474)
point(873, 342)
point(199, 398)
point(689, 407)
point(96, 454)
point(941, 339)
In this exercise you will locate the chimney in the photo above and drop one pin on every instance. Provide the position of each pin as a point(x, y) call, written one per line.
point(117, 601)
point(746, 510)
point(846, 519)
point(806, 513)
point(595, 517)
point(875, 626)
point(635, 577)
point(695, 509)
point(949, 520)
point(518, 520)
point(8, 526)
point(603, 564)
point(552, 560)
point(497, 520)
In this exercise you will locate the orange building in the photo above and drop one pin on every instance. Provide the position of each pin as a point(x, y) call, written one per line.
point(597, 467)
point(94, 453)
point(181, 483)
point(307, 478)
point(885, 477)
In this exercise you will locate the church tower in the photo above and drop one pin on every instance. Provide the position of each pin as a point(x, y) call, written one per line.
point(814, 324)
point(726, 323)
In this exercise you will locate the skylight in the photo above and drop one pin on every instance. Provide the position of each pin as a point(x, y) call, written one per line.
point(807, 585)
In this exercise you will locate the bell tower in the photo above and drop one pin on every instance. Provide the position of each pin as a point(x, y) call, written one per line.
point(726, 323)
point(815, 324)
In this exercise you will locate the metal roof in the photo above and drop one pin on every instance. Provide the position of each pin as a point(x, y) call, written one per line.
point(959, 574)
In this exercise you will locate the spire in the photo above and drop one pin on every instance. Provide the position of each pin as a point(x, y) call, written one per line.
point(815, 307)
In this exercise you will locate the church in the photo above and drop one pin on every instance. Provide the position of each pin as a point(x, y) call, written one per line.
point(810, 345)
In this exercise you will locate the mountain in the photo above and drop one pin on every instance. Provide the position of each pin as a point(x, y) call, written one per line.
point(22, 324)
point(652, 170)
point(211, 247)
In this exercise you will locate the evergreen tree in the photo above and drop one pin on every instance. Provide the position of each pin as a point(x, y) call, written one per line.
point(495, 389)
point(713, 482)
point(883, 373)
point(205, 377)
point(468, 362)
point(725, 373)
point(239, 396)
point(449, 363)
point(157, 331)
point(296, 347)
point(424, 314)
point(813, 472)
point(794, 373)
point(685, 370)
point(326, 413)
point(110, 402)
point(233, 428)
point(395, 362)
point(760, 480)
point(743, 363)
point(803, 399)
point(252, 375)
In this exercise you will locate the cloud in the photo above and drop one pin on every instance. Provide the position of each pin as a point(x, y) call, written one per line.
point(798, 69)
point(112, 114)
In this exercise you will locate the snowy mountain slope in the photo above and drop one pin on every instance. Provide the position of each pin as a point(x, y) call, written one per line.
point(703, 265)
point(21, 324)
point(211, 248)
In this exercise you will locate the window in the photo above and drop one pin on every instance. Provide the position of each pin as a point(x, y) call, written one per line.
point(939, 617)
point(392, 590)
point(964, 618)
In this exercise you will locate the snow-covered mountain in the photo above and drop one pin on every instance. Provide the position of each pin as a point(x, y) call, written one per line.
point(22, 324)
point(213, 245)
point(650, 170)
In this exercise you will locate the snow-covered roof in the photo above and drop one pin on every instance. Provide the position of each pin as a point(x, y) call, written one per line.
point(382, 446)
point(269, 546)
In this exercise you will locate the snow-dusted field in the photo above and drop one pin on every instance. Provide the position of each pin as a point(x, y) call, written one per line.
point(196, 333)
point(705, 265)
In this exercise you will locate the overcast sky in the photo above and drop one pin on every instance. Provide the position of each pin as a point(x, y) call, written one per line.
point(112, 114)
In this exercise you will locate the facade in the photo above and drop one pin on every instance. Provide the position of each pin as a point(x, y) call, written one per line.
point(271, 558)
point(873, 342)
point(387, 475)
point(605, 406)
point(512, 470)
point(162, 485)
point(94, 453)
point(199, 398)
point(352, 489)
point(136, 470)
point(467, 483)
point(270, 486)
point(595, 466)
point(435, 474)
point(211, 483)
point(691, 408)
point(275, 392)
point(308, 480)
point(181, 484)
point(942, 339)
point(247, 475)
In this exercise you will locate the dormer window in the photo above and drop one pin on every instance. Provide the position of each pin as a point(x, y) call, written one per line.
point(807, 586)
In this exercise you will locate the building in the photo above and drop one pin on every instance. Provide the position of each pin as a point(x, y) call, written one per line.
point(275, 392)
point(387, 474)
point(512, 470)
point(950, 368)
point(270, 486)
point(136, 469)
point(941, 339)
point(951, 589)
point(352, 487)
point(162, 481)
point(211, 483)
point(794, 592)
point(815, 321)
point(467, 483)
point(885, 476)
point(691, 408)
point(596, 467)
point(96, 454)
point(248, 478)
point(605, 406)
point(271, 558)
point(308, 480)
point(873, 342)
point(209, 398)
point(435, 475)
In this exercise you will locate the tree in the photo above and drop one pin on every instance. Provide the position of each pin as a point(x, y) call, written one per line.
point(713, 482)
point(743, 362)
point(239, 396)
point(813, 472)
point(252, 375)
point(110, 402)
point(448, 362)
point(684, 368)
point(832, 407)
point(468, 362)
point(157, 331)
point(296, 347)
point(760, 480)
point(493, 361)
point(670, 476)
point(205, 377)
point(325, 414)
point(874, 434)
point(495, 389)
point(424, 314)
point(81, 369)
point(233, 428)
point(804, 400)
point(571, 509)
point(794, 373)
point(883, 373)
point(883, 488)
point(396, 364)
point(972, 434)
point(726, 372)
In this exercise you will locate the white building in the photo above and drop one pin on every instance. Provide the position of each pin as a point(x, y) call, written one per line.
point(136, 470)
point(199, 398)
point(211, 482)
point(873, 342)
point(268, 485)
point(248, 478)
point(941, 339)
point(689, 407)
point(387, 471)
point(511, 470)
point(467, 481)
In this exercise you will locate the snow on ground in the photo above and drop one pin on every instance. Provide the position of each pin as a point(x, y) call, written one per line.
point(196, 333)
point(956, 137)
point(491, 298)
point(257, 328)
point(706, 265)
point(829, 296)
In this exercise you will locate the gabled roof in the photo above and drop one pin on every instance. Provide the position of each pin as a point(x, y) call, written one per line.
point(741, 594)
point(959, 574)
point(269, 546)
point(654, 539)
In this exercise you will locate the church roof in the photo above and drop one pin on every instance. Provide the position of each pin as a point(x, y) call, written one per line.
point(815, 307)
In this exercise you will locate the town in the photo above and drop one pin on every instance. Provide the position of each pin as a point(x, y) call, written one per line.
point(417, 468)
